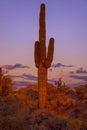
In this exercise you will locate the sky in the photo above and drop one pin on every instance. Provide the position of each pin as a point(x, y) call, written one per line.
point(66, 21)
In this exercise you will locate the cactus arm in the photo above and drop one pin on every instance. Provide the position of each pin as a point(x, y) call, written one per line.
point(50, 53)
point(36, 54)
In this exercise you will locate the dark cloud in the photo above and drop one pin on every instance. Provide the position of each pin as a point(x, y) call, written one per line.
point(76, 84)
point(84, 78)
point(51, 80)
point(81, 71)
point(29, 77)
point(22, 83)
point(71, 72)
point(25, 76)
point(18, 84)
point(15, 76)
point(15, 66)
point(50, 70)
point(61, 65)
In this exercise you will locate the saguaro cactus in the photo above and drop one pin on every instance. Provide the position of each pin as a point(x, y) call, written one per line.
point(43, 60)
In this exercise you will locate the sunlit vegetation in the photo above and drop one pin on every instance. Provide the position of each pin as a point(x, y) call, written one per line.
point(6, 85)
point(66, 109)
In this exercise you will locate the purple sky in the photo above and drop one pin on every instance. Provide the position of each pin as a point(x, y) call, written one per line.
point(66, 21)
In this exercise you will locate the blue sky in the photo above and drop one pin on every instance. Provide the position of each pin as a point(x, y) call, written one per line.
point(66, 21)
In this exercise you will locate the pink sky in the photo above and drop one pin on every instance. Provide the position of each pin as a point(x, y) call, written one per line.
point(66, 21)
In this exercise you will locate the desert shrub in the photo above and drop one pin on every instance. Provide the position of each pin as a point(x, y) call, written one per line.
point(7, 86)
point(32, 93)
point(81, 92)
point(19, 110)
point(84, 125)
point(54, 123)
point(47, 121)
point(77, 124)
point(15, 112)
point(11, 123)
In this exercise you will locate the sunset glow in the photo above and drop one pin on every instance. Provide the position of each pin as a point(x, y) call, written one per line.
point(66, 21)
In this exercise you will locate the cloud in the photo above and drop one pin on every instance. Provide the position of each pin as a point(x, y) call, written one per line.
point(71, 72)
point(25, 76)
point(51, 80)
point(50, 70)
point(76, 84)
point(15, 66)
point(22, 83)
point(84, 78)
point(29, 77)
point(26, 80)
point(81, 71)
point(15, 76)
point(61, 65)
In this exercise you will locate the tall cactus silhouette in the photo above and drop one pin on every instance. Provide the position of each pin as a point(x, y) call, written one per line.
point(43, 60)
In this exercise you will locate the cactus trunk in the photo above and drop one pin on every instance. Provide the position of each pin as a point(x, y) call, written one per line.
point(42, 60)
point(42, 83)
